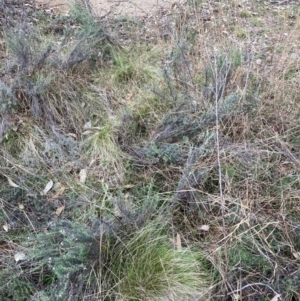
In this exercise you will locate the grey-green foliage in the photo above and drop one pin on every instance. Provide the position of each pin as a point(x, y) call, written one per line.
point(90, 41)
point(164, 152)
point(7, 98)
point(178, 125)
point(32, 54)
point(242, 254)
point(34, 95)
point(218, 72)
point(14, 285)
point(56, 258)
point(26, 48)
point(18, 43)
point(27, 55)
point(40, 296)
point(82, 14)
point(67, 250)
point(61, 148)
point(56, 149)
point(192, 175)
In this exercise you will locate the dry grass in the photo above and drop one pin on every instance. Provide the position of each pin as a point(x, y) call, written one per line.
point(190, 116)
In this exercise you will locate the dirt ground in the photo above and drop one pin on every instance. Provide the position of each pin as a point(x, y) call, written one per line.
point(106, 7)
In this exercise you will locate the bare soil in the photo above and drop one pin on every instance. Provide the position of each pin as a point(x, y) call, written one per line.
point(106, 7)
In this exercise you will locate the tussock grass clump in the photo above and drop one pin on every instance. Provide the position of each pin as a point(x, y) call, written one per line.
point(103, 154)
point(148, 268)
point(128, 66)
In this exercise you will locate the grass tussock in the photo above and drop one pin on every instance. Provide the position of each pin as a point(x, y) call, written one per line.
point(148, 267)
point(150, 158)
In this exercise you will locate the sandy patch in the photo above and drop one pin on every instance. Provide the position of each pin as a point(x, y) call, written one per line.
point(115, 7)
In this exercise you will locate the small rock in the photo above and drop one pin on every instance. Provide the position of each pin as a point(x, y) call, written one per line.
point(294, 56)
point(258, 61)
point(269, 59)
point(19, 256)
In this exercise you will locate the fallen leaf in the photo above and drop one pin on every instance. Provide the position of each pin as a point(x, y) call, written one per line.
point(178, 242)
point(5, 246)
point(128, 186)
point(47, 188)
point(11, 183)
point(87, 125)
point(117, 211)
point(203, 228)
point(82, 175)
point(236, 297)
point(58, 193)
point(92, 130)
point(87, 132)
point(296, 255)
point(276, 297)
point(59, 210)
point(92, 162)
point(19, 256)
point(5, 227)
point(71, 135)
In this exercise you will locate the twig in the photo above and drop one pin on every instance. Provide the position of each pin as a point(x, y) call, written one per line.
point(251, 284)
